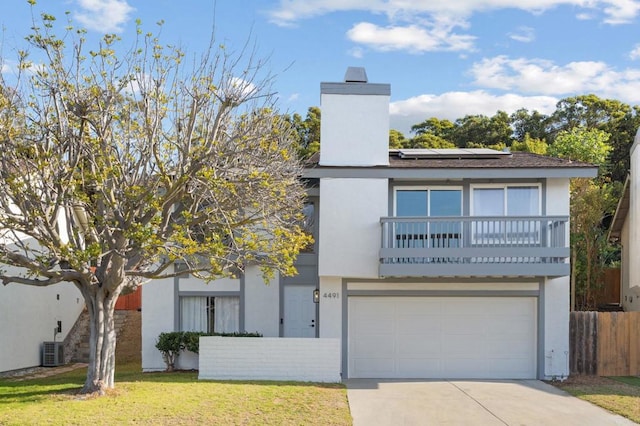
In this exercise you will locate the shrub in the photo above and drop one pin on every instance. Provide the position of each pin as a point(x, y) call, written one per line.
point(174, 342)
point(170, 345)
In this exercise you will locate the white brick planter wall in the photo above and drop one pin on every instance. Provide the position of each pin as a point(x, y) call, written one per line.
point(266, 358)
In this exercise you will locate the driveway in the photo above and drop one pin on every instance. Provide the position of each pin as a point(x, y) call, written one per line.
point(479, 402)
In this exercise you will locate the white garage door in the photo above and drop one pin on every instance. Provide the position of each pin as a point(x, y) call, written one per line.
point(442, 337)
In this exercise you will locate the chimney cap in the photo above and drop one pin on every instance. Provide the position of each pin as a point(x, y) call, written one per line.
point(355, 75)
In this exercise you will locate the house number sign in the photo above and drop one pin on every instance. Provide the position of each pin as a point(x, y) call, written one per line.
point(334, 295)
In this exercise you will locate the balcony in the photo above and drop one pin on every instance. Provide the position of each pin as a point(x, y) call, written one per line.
point(463, 246)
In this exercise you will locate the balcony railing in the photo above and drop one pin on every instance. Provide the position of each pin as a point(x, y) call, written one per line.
point(474, 246)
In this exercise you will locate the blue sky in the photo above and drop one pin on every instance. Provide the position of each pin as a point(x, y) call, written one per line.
point(443, 58)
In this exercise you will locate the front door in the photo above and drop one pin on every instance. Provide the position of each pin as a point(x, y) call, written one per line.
point(299, 311)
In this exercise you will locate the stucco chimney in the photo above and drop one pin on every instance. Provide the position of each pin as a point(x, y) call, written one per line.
point(354, 129)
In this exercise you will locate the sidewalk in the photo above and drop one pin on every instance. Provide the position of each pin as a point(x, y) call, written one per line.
point(39, 372)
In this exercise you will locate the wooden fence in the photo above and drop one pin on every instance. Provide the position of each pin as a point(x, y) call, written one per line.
point(131, 301)
point(604, 343)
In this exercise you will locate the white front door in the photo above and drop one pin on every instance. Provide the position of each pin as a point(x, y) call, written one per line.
point(299, 311)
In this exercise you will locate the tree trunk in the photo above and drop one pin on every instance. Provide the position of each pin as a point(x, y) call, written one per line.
point(102, 341)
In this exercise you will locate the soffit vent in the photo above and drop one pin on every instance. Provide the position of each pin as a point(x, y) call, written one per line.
point(355, 75)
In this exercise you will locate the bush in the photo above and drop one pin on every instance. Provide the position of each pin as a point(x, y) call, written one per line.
point(174, 342)
point(170, 345)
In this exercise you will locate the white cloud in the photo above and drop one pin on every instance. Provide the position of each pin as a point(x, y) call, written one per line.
point(356, 52)
point(291, 11)
point(524, 35)
point(635, 52)
point(412, 38)
point(454, 105)
point(105, 16)
point(537, 76)
point(293, 97)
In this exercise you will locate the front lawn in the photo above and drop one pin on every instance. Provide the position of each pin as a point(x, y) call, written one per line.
point(620, 395)
point(171, 398)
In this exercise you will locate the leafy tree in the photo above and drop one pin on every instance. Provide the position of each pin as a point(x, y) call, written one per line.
point(587, 111)
point(116, 167)
point(427, 140)
point(396, 139)
point(581, 144)
point(480, 130)
point(533, 124)
point(308, 132)
point(529, 144)
point(436, 127)
point(590, 202)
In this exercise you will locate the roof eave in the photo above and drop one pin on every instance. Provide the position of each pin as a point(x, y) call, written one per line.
point(381, 172)
point(622, 209)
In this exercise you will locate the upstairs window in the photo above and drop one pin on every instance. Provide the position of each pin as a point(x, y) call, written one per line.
point(428, 203)
point(517, 202)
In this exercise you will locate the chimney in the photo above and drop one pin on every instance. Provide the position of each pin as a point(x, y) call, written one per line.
point(354, 128)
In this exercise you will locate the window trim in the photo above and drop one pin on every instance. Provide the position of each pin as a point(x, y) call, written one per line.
point(504, 186)
point(427, 188)
point(208, 294)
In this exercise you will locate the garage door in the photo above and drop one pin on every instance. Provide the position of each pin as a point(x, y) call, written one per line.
point(442, 337)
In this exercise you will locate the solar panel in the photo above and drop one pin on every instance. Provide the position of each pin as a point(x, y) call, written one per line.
point(449, 153)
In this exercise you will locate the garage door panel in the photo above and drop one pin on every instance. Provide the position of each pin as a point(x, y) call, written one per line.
point(382, 342)
point(410, 367)
point(411, 347)
point(377, 367)
point(442, 337)
point(420, 308)
point(515, 368)
point(508, 348)
point(419, 324)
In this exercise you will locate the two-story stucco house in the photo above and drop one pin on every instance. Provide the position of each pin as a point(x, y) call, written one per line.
point(427, 263)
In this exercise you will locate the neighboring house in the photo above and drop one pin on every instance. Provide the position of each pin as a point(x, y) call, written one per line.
point(625, 229)
point(30, 316)
point(429, 263)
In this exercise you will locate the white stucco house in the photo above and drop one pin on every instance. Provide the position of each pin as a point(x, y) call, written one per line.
point(428, 263)
point(625, 229)
point(30, 316)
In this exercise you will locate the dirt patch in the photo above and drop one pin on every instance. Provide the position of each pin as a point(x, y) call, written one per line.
point(581, 380)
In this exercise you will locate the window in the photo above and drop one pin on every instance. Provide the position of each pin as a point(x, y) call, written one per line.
point(519, 202)
point(506, 201)
point(309, 226)
point(426, 205)
point(219, 314)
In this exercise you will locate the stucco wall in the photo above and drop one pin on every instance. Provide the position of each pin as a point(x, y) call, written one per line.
point(355, 130)
point(556, 327)
point(160, 310)
point(158, 297)
point(349, 237)
point(630, 299)
point(28, 316)
point(633, 219)
point(261, 304)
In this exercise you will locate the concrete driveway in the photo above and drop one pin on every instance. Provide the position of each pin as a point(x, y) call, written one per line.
point(479, 402)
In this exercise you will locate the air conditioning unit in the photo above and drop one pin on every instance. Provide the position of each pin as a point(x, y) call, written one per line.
point(52, 354)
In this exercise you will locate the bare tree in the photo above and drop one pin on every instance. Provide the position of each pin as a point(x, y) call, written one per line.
point(116, 167)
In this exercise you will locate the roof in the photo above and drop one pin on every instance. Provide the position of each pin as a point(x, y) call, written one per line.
point(514, 164)
point(621, 212)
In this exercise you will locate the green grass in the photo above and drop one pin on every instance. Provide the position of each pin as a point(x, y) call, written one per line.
point(620, 395)
point(171, 398)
